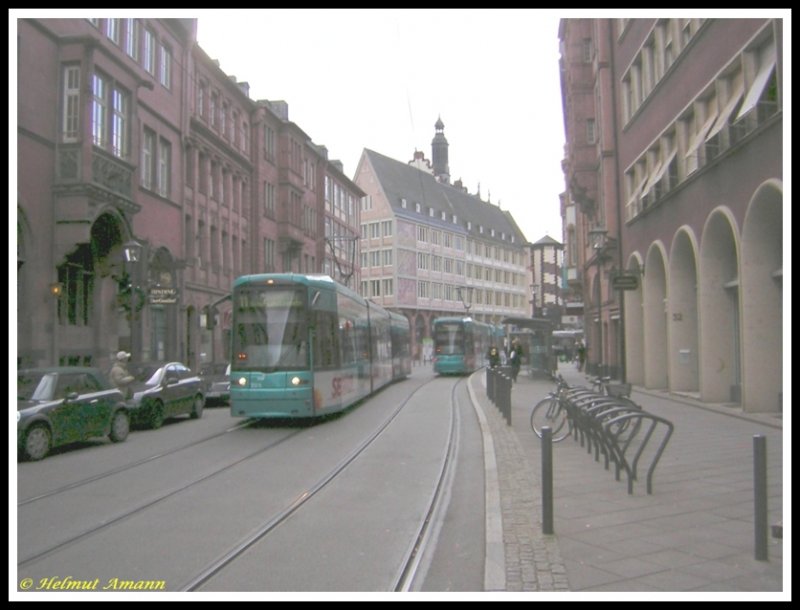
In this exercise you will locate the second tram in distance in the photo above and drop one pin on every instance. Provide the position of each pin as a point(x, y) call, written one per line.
point(460, 345)
point(305, 346)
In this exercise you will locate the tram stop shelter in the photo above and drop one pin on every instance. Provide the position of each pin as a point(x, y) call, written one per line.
point(536, 337)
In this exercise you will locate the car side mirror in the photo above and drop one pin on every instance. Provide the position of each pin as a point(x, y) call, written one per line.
point(171, 379)
point(71, 396)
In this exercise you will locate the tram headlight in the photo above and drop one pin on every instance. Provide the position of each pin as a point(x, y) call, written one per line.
point(242, 381)
point(296, 381)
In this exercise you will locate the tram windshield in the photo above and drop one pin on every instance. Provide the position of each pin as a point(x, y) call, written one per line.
point(270, 329)
point(449, 339)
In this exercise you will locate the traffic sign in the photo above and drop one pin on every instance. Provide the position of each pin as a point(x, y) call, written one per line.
point(625, 281)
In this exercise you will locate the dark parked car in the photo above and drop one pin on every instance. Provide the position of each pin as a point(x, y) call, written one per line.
point(217, 384)
point(163, 390)
point(61, 405)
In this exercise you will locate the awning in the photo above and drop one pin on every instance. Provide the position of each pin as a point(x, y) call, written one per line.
point(646, 188)
point(760, 81)
point(722, 119)
point(700, 136)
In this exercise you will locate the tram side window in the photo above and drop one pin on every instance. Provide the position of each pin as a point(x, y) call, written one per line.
point(326, 341)
point(348, 338)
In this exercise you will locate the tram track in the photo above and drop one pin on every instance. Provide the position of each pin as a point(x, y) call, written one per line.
point(413, 557)
point(407, 578)
point(153, 502)
point(135, 464)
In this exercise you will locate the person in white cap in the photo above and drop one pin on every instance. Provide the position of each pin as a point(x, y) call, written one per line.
point(120, 376)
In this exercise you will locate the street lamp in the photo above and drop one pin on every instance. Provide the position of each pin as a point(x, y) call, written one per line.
point(534, 292)
point(601, 243)
point(132, 250)
point(466, 302)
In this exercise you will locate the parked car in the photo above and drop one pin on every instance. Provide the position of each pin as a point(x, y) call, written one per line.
point(60, 405)
point(162, 390)
point(217, 384)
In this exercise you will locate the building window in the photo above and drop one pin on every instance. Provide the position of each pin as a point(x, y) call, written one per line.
point(165, 72)
point(387, 228)
point(71, 118)
point(223, 119)
point(269, 200)
point(591, 135)
point(147, 170)
point(99, 111)
point(214, 248)
point(269, 143)
point(164, 167)
point(132, 40)
point(112, 30)
point(423, 290)
point(149, 57)
point(119, 125)
point(115, 124)
point(269, 255)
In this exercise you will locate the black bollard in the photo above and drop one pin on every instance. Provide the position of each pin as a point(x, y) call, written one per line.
point(490, 377)
point(547, 480)
point(760, 495)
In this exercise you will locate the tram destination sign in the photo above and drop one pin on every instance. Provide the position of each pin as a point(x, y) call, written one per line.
point(625, 281)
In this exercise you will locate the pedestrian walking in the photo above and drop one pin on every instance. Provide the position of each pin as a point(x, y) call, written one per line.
point(494, 357)
point(515, 357)
point(581, 356)
point(120, 376)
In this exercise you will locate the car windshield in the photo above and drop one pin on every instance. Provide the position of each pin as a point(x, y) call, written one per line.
point(35, 386)
point(149, 374)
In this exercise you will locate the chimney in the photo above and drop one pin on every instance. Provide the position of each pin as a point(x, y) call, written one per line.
point(280, 108)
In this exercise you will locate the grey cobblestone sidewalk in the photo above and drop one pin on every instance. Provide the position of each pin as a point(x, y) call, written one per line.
point(532, 559)
point(693, 535)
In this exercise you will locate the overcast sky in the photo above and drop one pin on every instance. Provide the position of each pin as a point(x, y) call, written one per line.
point(379, 79)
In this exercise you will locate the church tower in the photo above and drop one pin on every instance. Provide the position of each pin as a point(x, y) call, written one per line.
point(441, 170)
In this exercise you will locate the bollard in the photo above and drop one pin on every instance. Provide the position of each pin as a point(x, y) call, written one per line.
point(490, 376)
point(508, 402)
point(760, 495)
point(504, 401)
point(547, 480)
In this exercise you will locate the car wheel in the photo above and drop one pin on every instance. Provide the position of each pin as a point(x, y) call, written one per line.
point(37, 442)
point(197, 407)
point(156, 412)
point(120, 427)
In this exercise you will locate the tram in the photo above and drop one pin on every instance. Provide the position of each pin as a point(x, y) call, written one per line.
point(460, 345)
point(305, 346)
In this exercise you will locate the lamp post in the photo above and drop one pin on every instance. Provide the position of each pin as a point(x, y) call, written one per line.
point(56, 290)
point(535, 291)
point(466, 302)
point(132, 251)
point(598, 237)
